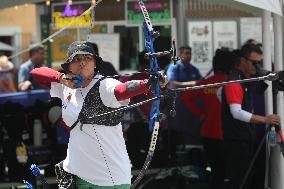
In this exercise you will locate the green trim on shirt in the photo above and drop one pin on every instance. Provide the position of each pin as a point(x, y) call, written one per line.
point(82, 184)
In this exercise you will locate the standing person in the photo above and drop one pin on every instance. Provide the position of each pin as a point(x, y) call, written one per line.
point(96, 155)
point(7, 78)
point(36, 60)
point(107, 68)
point(238, 118)
point(182, 74)
point(210, 114)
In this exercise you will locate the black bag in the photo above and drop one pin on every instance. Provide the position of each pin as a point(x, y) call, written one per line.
point(65, 180)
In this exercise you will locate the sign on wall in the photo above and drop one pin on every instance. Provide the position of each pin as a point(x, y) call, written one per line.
point(108, 45)
point(200, 40)
point(225, 34)
point(65, 14)
point(159, 11)
point(250, 29)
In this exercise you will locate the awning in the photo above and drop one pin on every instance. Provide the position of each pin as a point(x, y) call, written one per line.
point(273, 6)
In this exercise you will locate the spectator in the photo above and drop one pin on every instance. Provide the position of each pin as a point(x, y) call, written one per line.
point(183, 74)
point(7, 78)
point(36, 60)
point(210, 113)
point(238, 118)
point(107, 68)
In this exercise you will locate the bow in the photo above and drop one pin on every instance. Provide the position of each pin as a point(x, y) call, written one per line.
point(155, 115)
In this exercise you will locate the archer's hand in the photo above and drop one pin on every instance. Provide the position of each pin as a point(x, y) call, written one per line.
point(67, 80)
point(272, 119)
point(152, 81)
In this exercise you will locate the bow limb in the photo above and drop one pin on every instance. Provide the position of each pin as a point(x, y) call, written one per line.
point(149, 155)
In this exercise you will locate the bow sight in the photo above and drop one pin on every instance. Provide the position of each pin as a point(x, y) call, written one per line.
point(172, 52)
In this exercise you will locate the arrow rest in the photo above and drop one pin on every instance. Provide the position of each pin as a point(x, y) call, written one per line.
point(172, 52)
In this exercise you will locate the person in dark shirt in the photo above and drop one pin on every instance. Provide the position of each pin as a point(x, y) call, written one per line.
point(36, 60)
point(183, 73)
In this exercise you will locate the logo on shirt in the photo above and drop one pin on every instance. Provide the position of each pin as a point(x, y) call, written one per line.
point(210, 91)
point(69, 97)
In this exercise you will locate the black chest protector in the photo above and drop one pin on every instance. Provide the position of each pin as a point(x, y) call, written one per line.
point(93, 106)
point(234, 129)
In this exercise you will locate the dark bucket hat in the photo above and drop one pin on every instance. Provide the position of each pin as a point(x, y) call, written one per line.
point(74, 49)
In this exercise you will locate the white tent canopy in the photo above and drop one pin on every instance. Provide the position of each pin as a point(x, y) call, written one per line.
point(5, 47)
point(269, 5)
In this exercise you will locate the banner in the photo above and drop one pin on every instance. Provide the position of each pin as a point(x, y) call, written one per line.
point(159, 11)
point(63, 14)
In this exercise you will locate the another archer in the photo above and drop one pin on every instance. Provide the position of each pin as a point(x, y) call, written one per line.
point(96, 155)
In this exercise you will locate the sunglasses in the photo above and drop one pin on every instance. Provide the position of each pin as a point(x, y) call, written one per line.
point(254, 62)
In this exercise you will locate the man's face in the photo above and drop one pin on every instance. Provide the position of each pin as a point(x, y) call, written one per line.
point(38, 57)
point(248, 64)
point(185, 56)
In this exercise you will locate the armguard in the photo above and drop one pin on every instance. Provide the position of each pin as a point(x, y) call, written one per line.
point(129, 89)
point(44, 76)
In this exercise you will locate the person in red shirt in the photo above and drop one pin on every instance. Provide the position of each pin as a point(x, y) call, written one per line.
point(210, 113)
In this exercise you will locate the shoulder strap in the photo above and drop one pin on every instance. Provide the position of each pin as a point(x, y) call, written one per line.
point(74, 124)
point(79, 117)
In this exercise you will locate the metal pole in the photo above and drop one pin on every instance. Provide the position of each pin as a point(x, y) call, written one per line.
point(180, 10)
point(266, 39)
point(277, 162)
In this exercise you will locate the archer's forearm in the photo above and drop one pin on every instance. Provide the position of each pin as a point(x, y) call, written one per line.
point(129, 89)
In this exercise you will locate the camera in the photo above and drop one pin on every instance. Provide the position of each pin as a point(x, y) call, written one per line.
point(277, 79)
point(278, 84)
